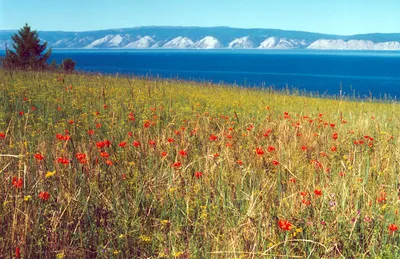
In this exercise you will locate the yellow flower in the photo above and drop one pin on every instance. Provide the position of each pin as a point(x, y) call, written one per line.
point(27, 198)
point(50, 174)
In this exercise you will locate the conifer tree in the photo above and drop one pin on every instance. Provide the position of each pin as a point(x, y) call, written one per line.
point(28, 52)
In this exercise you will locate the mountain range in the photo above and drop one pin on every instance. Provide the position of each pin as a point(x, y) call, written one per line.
point(209, 38)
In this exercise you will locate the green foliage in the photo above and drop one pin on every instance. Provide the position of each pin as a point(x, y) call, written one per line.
point(68, 65)
point(28, 52)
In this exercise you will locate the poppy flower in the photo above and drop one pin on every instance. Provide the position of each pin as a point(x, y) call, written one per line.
point(183, 153)
point(21, 113)
point(62, 160)
point(90, 132)
point(152, 142)
point(317, 192)
point(2, 135)
point(122, 144)
point(17, 252)
point(39, 157)
point(213, 137)
point(392, 228)
point(131, 116)
point(44, 196)
point(171, 140)
point(136, 143)
point(198, 174)
point(304, 148)
point(98, 125)
point(164, 154)
point(275, 162)
point(306, 202)
point(104, 154)
point(239, 162)
point(259, 151)
point(285, 225)
point(271, 149)
point(304, 194)
point(109, 162)
point(335, 136)
point(17, 182)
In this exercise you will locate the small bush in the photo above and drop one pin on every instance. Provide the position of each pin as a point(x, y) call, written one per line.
point(68, 65)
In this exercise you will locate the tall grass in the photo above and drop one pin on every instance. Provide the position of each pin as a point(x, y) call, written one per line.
point(100, 166)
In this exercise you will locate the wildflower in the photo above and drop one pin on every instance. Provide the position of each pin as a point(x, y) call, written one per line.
point(98, 125)
point(152, 142)
point(271, 149)
point(335, 136)
point(285, 224)
point(21, 113)
point(306, 202)
point(304, 194)
point(17, 182)
point(317, 192)
point(342, 174)
point(239, 162)
point(304, 148)
point(90, 132)
point(109, 162)
point(104, 154)
point(275, 162)
point(136, 143)
point(213, 137)
point(71, 122)
point(171, 140)
point(2, 135)
point(259, 151)
point(198, 174)
point(80, 156)
point(183, 153)
point(39, 157)
point(392, 228)
point(44, 196)
point(333, 149)
point(164, 154)
point(122, 144)
point(17, 252)
point(176, 164)
point(105, 106)
point(62, 160)
point(131, 116)
point(50, 174)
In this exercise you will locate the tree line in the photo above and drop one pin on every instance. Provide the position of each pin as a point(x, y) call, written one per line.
point(28, 53)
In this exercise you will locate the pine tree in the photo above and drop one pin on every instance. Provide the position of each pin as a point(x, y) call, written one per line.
point(28, 52)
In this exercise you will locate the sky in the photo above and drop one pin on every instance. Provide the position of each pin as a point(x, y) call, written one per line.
point(344, 17)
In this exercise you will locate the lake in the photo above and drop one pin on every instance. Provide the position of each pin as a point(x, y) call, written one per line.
point(360, 73)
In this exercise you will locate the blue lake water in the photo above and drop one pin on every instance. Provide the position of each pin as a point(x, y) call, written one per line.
point(326, 72)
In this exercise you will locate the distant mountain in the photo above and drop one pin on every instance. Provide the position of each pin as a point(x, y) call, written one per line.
point(209, 38)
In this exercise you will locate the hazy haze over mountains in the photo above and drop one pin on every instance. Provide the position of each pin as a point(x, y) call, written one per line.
point(209, 38)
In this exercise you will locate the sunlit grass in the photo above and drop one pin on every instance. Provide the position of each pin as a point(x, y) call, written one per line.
point(134, 168)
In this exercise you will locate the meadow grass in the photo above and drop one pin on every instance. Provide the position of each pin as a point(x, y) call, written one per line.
point(108, 167)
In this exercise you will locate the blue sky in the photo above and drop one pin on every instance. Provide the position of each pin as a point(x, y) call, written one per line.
point(335, 16)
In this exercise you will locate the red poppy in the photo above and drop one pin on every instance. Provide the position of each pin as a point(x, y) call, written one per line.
point(2, 135)
point(259, 151)
point(317, 192)
point(183, 153)
point(71, 122)
point(17, 252)
point(304, 194)
point(131, 116)
point(122, 144)
point(285, 225)
point(335, 136)
point(104, 154)
point(176, 164)
point(81, 157)
point(304, 148)
point(17, 182)
point(21, 113)
point(306, 202)
point(275, 162)
point(198, 174)
point(239, 162)
point(152, 142)
point(333, 149)
point(39, 157)
point(105, 106)
point(164, 154)
point(170, 140)
point(392, 228)
point(109, 162)
point(62, 160)
point(98, 125)
point(271, 149)
point(90, 132)
point(136, 143)
point(213, 137)
point(44, 196)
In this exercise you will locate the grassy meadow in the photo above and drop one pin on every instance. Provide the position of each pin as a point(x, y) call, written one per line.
point(107, 167)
